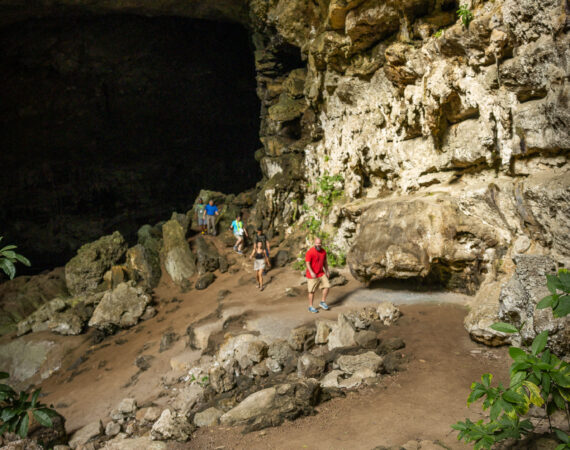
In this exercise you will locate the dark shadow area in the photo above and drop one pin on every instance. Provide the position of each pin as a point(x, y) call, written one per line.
point(108, 123)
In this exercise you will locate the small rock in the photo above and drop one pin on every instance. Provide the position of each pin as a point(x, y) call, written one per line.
point(522, 244)
point(208, 417)
point(112, 429)
point(143, 362)
point(298, 337)
point(205, 280)
point(343, 334)
point(353, 363)
point(292, 292)
point(331, 379)
point(127, 406)
point(310, 366)
point(149, 313)
point(221, 380)
point(281, 352)
point(148, 415)
point(187, 398)
point(391, 345)
point(324, 328)
point(83, 435)
point(260, 370)
point(171, 426)
point(388, 313)
point(273, 365)
point(366, 339)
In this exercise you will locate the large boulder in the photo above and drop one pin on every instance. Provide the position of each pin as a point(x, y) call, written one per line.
point(207, 257)
point(84, 272)
point(353, 363)
point(172, 426)
point(143, 266)
point(23, 295)
point(429, 238)
point(270, 406)
point(178, 259)
point(246, 349)
point(120, 308)
point(343, 334)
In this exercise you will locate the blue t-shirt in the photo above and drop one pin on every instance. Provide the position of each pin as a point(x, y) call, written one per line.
point(237, 227)
point(211, 210)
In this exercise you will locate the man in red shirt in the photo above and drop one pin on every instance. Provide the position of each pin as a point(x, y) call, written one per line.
point(317, 274)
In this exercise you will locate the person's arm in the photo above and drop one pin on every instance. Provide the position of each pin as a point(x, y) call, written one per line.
point(252, 253)
point(216, 212)
point(310, 269)
point(267, 245)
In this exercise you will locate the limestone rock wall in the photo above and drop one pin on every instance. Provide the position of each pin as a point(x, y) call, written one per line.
point(446, 143)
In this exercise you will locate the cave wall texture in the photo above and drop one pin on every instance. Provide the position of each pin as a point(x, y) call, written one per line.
point(449, 143)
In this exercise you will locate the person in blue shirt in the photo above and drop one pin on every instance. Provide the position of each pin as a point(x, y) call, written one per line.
point(239, 232)
point(210, 213)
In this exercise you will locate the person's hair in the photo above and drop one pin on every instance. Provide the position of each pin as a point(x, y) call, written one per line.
point(199, 200)
point(259, 229)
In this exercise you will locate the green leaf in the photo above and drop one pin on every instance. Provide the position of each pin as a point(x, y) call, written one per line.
point(534, 391)
point(563, 308)
point(562, 436)
point(4, 375)
point(9, 254)
point(553, 283)
point(23, 260)
point(564, 277)
point(517, 378)
point(35, 396)
point(8, 247)
point(23, 428)
point(42, 417)
point(513, 397)
point(486, 378)
point(8, 267)
point(7, 414)
point(539, 342)
point(546, 302)
point(518, 354)
point(559, 401)
point(504, 327)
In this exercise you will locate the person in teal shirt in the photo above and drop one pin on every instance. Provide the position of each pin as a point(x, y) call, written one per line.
point(199, 209)
point(239, 232)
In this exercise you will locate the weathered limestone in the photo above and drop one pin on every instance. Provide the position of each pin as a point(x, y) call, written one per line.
point(178, 260)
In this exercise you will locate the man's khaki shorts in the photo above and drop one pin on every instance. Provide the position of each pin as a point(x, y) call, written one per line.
point(314, 283)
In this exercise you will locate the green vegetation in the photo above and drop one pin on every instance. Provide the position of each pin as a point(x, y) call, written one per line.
point(327, 192)
point(15, 410)
point(536, 378)
point(336, 258)
point(465, 15)
point(8, 257)
point(438, 33)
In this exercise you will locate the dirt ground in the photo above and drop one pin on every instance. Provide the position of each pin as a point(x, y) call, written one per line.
point(418, 403)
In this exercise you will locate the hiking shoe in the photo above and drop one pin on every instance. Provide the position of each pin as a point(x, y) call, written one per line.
point(324, 305)
point(313, 310)
point(262, 288)
point(239, 252)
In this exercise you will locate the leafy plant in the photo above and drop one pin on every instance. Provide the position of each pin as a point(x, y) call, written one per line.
point(465, 15)
point(327, 192)
point(537, 377)
point(15, 410)
point(438, 33)
point(8, 257)
point(336, 258)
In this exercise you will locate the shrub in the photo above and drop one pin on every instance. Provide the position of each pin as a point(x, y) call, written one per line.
point(465, 15)
point(8, 257)
point(15, 410)
point(537, 377)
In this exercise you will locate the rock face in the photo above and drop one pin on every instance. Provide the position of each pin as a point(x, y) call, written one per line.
point(120, 308)
point(178, 259)
point(84, 273)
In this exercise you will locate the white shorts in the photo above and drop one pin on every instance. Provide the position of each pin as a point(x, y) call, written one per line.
point(259, 264)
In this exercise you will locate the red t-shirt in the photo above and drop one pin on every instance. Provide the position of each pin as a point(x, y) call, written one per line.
point(317, 261)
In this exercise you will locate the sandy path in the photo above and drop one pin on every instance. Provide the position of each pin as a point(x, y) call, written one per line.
point(420, 402)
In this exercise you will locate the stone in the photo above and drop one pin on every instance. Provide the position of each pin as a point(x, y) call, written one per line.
point(388, 313)
point(120, 308)
point(25, 359)
point(324, 328)
point(281, 401)
point(143, 266)
point(143, 362)
point(207, 257)
point(84, 272)
point(205, 280)
point(88, 432)
point(208, 417)
point(172, 426)
point(22, 444)
point(137, 443)
point(343, 334)
point(199, 335)
point(149, 414)
point(310, 366)
point(331, 379)
point(352, 363)
point(221, 379)
point(184, 361)
point(371, 22)
point(522, 244)
point(167, 340)
point(187, 398)
point(287, 108)
point(298, 337)
point(357, 378)
point(260, 369)
point(246, 349)
point(112, 429)
point(178, 259)
point(366, 339)
point(127, 406)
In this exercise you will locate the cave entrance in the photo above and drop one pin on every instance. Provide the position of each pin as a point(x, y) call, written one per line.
point(111, 122)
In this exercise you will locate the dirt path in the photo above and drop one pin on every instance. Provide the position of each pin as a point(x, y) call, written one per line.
point(420, 402)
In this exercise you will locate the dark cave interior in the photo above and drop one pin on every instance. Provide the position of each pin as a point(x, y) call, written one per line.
point(111, 122)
